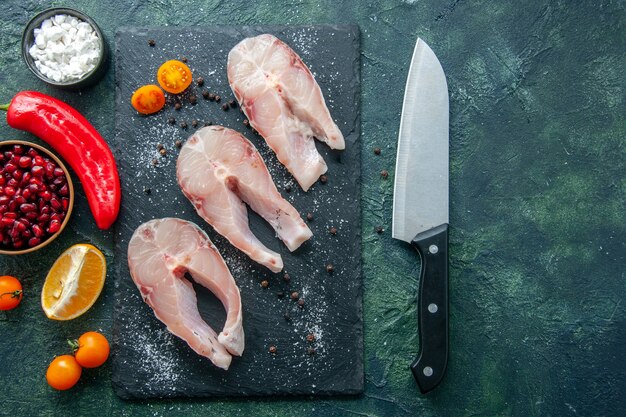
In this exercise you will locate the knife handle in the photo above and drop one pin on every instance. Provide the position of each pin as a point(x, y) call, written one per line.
point(432, 303)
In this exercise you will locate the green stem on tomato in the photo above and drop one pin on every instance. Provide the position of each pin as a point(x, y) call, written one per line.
point(73, 345)
point(5, 107)
point(14, 294)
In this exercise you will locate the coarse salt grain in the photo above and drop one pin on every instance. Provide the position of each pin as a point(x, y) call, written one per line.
point(65, 48)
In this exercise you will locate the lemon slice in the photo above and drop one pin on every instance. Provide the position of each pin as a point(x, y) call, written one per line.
point(74, 282)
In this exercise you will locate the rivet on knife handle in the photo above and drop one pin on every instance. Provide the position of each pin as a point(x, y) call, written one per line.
point(432, 303)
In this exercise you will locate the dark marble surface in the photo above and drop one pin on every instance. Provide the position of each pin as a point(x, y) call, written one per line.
point(538, 195)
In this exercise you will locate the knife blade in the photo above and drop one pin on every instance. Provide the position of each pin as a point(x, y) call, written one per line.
point(420, 205)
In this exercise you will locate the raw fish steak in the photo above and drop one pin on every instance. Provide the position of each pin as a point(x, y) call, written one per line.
point(160, 253)
point(219, 170)
point(284, 103)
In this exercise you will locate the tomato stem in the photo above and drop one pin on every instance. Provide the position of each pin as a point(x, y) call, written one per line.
point(73, 345)
point(14, 294)
point(5, 107)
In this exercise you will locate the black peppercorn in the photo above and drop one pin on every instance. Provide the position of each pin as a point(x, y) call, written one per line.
point(159, 146)
point(286, 277)
point(287, 188)
point(309, 216)
point(323, 179)
point(332, 230)
point(246, 122)
point(301, 303)
point(155, 162)
point(184, 59)
point(217, 98)
point(211, 96)
point(177, 106)
point(193, 99)
point(310, 338)
point(209, 123)
point(377, 151)
point(163, 152)
point(225, 107)
point(384, 173)
point(151, 42)
point(183, 125)
point(295, 295)
point(200, 81)
point(194, 123)
point(205, 94)
point(330, 268)
point(147, 190)
point(379, 229)
point(179, 144)
point(232, 103)
point(265, 283)
point(273, 349)
point(171, 121)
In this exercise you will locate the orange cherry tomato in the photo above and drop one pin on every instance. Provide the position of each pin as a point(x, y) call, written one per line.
point(148, 99)
point(63, 372)
point(10, 292)
point(92, 349)
point(174, 76)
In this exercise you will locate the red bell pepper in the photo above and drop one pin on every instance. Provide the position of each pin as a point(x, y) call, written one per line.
point(78, 142)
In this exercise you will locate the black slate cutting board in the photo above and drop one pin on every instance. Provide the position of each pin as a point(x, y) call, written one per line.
point(148, 361)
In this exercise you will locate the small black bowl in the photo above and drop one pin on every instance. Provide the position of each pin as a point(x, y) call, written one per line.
point(28, 39)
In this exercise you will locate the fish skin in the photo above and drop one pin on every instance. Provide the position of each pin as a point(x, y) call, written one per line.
point(283, 102)
point(220, 171)
point(161, 253)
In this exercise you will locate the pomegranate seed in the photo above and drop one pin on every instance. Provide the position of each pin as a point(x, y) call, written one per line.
point(11, 215)
point(32, 152)
point(7, 221)
point(38, 160)
point(2, 158)
point(37, 171)
point(54, 226)
point(37, 230)
point(3, 209)
point(17, 244)
point(36, 180)
point(10, 167)
point(50, 170)
point(18, 149)
point(66, 203)
point(2, 181)
point(58, 172)
point(55, 217)
point(25, 161)
point(56, 204)
point(64, 191)
point(34, 188)
point(31, 215)
point(9, 190)
point(17, 174)
point(19, 227)
point(34, 241)
point(4, 199)
point(27, 233)
point(19, 199)
point(25, 178)
point(26, 194)
point(13, 182)
point(8, 155)
point(13, 205)
point(45, 195)
point(52, 187)
point(45, 209)
point(27, 207)
point(59, 181)
point(43, 218)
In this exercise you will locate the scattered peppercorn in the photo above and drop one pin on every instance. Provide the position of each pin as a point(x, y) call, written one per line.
point(171, 121)
point(286, 277)
point(217, 98)
point(193, 99)
point(155, 162)
point(323, 179)
point(301, 303)
point(379, 229)
point(310, 351)
point(200, 81)
point(205, 94)
point(265, 283)
point(163, 152)
point(184, 59)
point(288, 188)
point(255, 132)
point(295, 295)
point(177, 106)
point(309, 216)
point(287, 317)
point(209, 123)
point(273, 349)
point(211, 96)
point(194, 123)
point(179, 144)
point(333, 230)
point(310, 338)
point(280, 294)
point(330, 268)
point(183, 125)
point(159, 146)
point(377, 151)
point(384, 173)
point(151, 42)
point(232, 103)
point(225, 107)
point(246, 122)
point(147, 190)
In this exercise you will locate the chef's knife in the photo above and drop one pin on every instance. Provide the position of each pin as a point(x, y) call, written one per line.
point(420, 205)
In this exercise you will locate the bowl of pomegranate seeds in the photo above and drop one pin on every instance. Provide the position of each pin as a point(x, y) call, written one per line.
point(36, 197)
